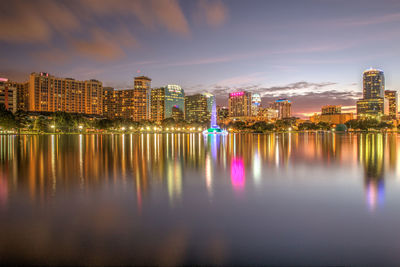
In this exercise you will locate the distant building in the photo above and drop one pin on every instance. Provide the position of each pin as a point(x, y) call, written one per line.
point(373, 102)
point(142, 95)
point(284, 108)
point(392, 98)
point(164, 99)
point(267, 114)
point(331, 109)
point(51, 94)
point(338, 118)
point(198, 107)
point(222, 114)
point(255, 104)
point(240, 104)
point(8, 95)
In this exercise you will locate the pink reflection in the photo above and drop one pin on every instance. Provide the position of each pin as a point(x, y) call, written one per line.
point(237, 173)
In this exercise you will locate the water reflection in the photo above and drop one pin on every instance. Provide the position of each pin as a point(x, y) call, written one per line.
point(147, 170)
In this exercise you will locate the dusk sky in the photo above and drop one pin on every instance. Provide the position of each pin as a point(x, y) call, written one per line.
point(311, 52)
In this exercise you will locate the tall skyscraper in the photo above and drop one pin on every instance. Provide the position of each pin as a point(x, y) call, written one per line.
point(165, 101)
point(49, 93)
point(392, 98)
point(142, 88)
point(373, 84)
point(198, 107)
point(255, 104)
point(284, 108)
point(240, 104)
point(373, 102)
point(8, 95)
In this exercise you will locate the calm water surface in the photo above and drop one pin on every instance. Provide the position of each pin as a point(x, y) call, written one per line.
point(277, 199)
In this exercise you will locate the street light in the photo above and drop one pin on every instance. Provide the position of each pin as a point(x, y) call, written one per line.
point(53, 127)
point(80, 127)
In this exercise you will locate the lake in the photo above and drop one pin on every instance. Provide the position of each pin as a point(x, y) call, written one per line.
point(180, 199)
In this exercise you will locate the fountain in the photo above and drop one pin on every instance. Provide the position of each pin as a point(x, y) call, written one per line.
point(214, 128)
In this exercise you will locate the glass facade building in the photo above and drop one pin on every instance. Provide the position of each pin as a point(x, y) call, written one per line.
point(198, 107)
point(166, 102)
point(373, 102)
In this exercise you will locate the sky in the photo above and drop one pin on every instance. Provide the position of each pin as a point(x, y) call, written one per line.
point(312, 52)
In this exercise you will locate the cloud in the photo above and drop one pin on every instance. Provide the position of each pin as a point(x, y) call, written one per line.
point(80, 24)
point(214, 13)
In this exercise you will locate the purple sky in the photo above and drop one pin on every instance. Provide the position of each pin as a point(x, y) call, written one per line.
point(310, 51)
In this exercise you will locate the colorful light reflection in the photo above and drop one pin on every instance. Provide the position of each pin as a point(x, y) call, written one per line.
point(237, 173)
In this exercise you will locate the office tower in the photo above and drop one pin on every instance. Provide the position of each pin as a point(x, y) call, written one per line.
point(174, 98)
point(142, 88)
point(8, 95)
point(331, 109)
point(198, 107)
point(51, 94)
point(240, 104)
point(164, 100)
point(255, 104)
point(284, 108)
point(373, 102)
point(373, 84)
point(392, 98)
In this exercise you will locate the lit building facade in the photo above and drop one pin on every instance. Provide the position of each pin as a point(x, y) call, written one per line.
point(267, 114)
point(142, 95)
point(284, 108)
point(240, 104)
point(392, 98)
point(255, 104)
point(8, 95)
point(373, 102)
point(165, 101)
point(222, 114)
point(339, 118)
point(51, 94)
point(198, 107)
point(331, 109)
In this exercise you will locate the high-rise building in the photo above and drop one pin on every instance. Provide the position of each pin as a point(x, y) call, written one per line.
point(157, 104)
point(49, 93)
point(198, 107)
point(255, 104)
point(22, 94)
point(373, 84)
point(392, 98)
point(142, 88)
point(164, 100)
point(8, 95)
point(127, 103)
point(284, 108)
point(240, 104)
point(373, 102)
point(331, 109)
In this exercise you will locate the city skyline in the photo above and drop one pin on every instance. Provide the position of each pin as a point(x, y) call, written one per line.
point(310, 52)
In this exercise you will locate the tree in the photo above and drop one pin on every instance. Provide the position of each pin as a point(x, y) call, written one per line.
point(41, 124)
point(262, 126)
point(7, 119)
